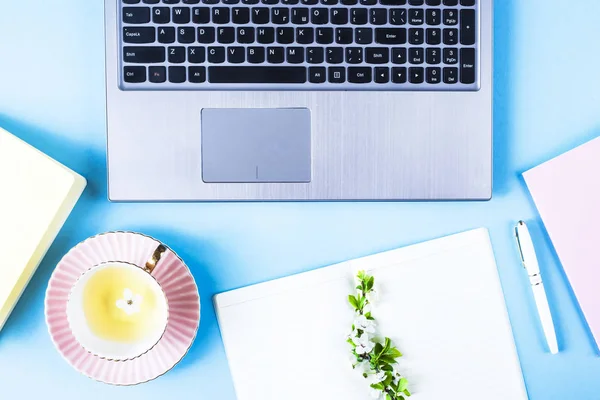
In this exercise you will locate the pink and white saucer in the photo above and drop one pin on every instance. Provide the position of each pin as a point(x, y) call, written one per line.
point(175, 279)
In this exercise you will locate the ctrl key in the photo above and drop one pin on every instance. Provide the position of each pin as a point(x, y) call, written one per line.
point(134, 74)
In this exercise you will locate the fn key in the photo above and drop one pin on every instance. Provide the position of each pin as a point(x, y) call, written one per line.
point(467, 65)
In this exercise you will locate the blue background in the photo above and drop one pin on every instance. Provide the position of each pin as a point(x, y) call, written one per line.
point(546, 102)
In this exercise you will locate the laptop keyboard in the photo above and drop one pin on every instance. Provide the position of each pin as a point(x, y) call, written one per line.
point(410, 45)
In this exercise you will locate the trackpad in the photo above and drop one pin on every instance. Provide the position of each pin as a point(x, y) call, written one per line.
point(256, 145)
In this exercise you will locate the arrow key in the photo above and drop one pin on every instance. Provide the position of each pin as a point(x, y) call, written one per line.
point(382, 74)
point(416, 74)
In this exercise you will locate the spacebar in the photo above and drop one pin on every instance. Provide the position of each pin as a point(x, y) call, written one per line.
point(257, 74)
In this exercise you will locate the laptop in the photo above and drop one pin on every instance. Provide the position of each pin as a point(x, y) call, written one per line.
point(233, 100)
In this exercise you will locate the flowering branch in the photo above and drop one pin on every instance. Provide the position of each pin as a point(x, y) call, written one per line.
point(375, 360)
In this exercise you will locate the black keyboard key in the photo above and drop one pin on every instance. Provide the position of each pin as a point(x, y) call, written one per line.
point(157, 74)
point(339, 16)
point(434, 75)
point(166, 35)
point(399, 55)
point(343, 35)
point(315, 55)
point(250, 1)
point(230, 1)
point(416, 75)
point(415, 36)
point(319, 16)
point(256, 55)
point(236, 54)
point(416, 55)
point(201, 15)
point(450, 2)
point(433, 2)
point(335, 55)
point(240, 15)
point(170, 1)
point(382, 74)
point(310, 2)
point(390, 35)
point(285, 35)
point(359, 16)
point(433, 16)
point(354, 55)
point(136, 15)
point(197, 74)
point(305, 35)
point(317, 74)
point(368, 2)
point(176, 55)
point(196, 55)
point(300, 16)
point(398, 16)
point(131, 1)
point(363, 35)
point(467, 65)
point(216, 55)
point(451, 17)
point(220, 15)
point(210, 1)
point(139, 35)
point(324, 35)
point(416, 16)
point(266, 74)
point(144, 55)
point(161, 15)
point(329, 2)
point(177, 74)
point(270, 2)
point(265, 35)
point(275, 55)
point(280, 15)
point(378, 16)
point(151, 1)
point(295, 55)
point(451, 36)
point(337, 74)
point(349, 2)
point(186, 34)
point(416, 2)
point(181, 15)
point(399, 74)
point(226, 35)
point(206, 35)
point(467, 27)
point(450, 75)
point(433, 55)
point(360, 74)
point(377, 55)
point(260, 15)
point(433, 36)
point(191, 1)
point(392, 2)
point(467, 3)
point(134, 74)
point(450, 56)
point(245, 34)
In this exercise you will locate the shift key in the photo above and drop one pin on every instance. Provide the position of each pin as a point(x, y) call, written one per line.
point(144, 54)
point(390, 35)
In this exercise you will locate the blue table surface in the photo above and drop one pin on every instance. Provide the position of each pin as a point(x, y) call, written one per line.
point(546, 102)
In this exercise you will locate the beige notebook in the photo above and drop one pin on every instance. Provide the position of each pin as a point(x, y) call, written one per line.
point(36, 196)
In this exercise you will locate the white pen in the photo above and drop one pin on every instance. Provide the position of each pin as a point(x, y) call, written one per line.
point(530, 262)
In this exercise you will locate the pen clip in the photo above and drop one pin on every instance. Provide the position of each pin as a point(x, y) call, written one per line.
point(518, 240)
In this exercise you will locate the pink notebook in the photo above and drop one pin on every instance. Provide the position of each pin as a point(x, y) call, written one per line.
point(566, 191)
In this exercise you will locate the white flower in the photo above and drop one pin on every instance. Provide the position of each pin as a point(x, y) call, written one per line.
point(130, 303)
point(362, 367)
point(363, 344)
point(367, 309)
point(376, 394)
point(375, 378)
point(366, 325)
point(373, 295)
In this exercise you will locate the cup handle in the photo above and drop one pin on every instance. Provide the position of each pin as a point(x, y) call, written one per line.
point(151, 263)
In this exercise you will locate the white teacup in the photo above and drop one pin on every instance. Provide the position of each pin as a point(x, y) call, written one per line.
point(117, 310)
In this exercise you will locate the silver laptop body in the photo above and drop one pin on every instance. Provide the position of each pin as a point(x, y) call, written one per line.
point(170, 143)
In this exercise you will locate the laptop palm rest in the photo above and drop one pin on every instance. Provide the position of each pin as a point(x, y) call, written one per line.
point(247, 145)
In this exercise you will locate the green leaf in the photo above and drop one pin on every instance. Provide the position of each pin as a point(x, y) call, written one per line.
point(388, 397)
point(370, 283)
point(406, 392)
point(361, 275)
point(351, 342)
point(378, 349)
point(387, 367)
point(393, 352)
point(353, 302)
point(387, 345)
point(369, 316)
point(378, 386)
point(386, 359)
point(388, 379)
point(361, 302)
point(402, 385)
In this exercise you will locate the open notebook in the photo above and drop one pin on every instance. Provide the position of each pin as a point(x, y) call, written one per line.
point(440, 302)
point(37, 195)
